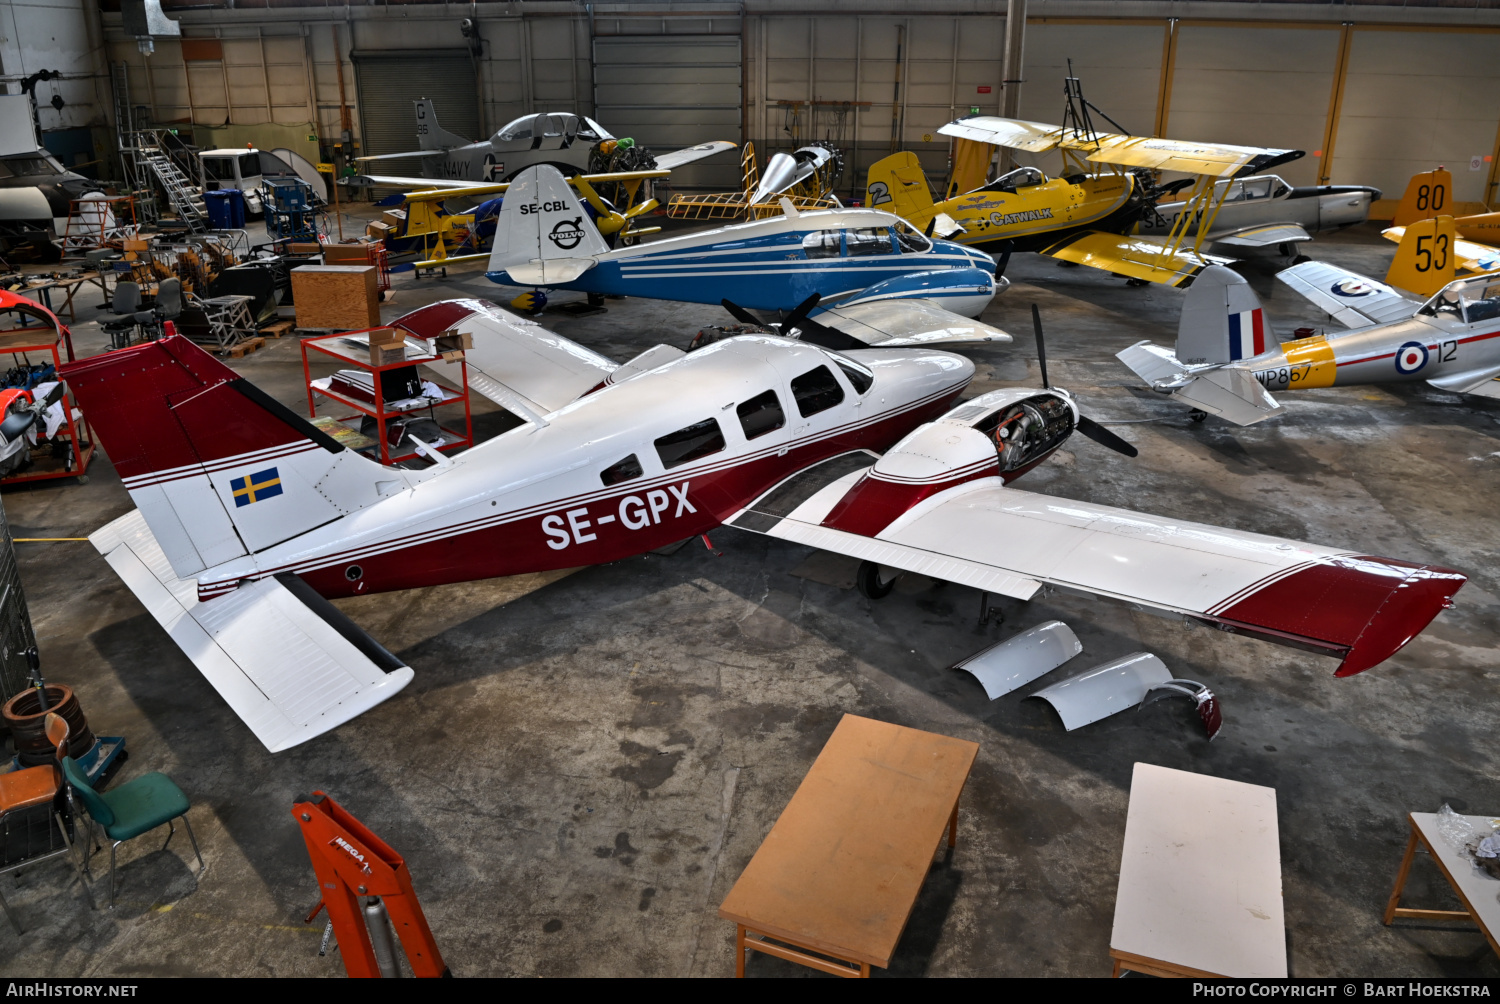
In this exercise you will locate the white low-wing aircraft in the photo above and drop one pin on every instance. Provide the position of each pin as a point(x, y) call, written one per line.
point(249, 517)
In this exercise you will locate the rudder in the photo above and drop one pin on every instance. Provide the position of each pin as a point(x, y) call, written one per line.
point(543, 235)
point(897, 185)
point(430, 135)
point(217, 468)
point(1425, 260)
point(1222, 320)
point(1427, 195)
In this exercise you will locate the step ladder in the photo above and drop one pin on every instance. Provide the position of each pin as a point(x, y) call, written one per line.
point(181, 192)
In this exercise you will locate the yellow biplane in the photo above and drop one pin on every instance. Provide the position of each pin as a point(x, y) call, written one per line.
point(444, 233)
point(1475, 238)
point(1088, 215)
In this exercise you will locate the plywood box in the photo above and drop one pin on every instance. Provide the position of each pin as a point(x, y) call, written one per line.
point(341, 297)
point(346, 254)
point(377, 229)
point(305, 247)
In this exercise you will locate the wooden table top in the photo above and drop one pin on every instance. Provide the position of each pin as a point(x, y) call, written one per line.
point(1480, 893)
point(841, 869)
point(1200, 875)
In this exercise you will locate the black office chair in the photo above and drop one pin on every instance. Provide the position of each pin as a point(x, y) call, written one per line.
point(126, 306)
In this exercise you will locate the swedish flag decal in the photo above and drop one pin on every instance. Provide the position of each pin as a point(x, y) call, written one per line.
point(256, 487)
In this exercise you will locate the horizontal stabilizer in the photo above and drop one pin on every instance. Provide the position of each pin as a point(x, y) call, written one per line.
point(1265, 235)
point(283, 658)
point(549, 272)
point(1154, 364)
point(1471, 256)
point(1135, 257)
point(1231, 393)
point(897, 323)
point(1350, 298)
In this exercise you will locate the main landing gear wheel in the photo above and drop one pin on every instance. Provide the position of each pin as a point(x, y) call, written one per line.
point(1137, 282)
point(867, 581)
point(1197, 416)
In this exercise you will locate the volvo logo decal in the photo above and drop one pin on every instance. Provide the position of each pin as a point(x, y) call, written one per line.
point(567, 234)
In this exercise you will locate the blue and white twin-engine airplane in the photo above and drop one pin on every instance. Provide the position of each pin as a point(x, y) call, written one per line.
point(843, 278)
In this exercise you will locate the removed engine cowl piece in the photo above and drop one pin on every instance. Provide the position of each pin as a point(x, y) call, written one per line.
point(1024, 657)
point(1127, 682)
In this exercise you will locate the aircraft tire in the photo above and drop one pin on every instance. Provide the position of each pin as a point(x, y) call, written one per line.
point(867, 581)
point(1197, 416)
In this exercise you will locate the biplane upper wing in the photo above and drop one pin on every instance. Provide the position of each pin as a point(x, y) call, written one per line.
point(1218, 160)
point(688, 154)
point(1147, 258)
point(1355, 301)
point(910, 511)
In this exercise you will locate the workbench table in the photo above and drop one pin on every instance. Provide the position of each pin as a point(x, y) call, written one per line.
point(839, 873)
point(1478, 893)
point(1200, 879)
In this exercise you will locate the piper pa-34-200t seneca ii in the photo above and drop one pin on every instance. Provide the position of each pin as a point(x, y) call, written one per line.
point(249, 517)
point(850, 278)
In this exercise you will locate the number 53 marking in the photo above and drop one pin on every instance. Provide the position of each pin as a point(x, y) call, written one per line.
point(1425, 262)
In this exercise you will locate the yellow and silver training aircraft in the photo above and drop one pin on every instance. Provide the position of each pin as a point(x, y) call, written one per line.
point(1476, 238)
point(1090, 215)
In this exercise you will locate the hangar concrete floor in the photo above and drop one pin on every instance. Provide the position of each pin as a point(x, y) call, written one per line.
point(586, 761)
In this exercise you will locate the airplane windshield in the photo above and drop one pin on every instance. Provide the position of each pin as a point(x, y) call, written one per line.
point(910, 241)
point(1467, 300)
point(600, 133)
point(1021, 177)
point(518, 129)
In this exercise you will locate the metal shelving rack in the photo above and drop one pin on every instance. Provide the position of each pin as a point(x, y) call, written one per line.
point(336, 346)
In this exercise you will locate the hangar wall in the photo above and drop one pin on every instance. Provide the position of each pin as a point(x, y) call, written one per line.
point(1397, 90)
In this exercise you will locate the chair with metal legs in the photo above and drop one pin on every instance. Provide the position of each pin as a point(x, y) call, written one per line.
point(23, 794)
point(131, 809)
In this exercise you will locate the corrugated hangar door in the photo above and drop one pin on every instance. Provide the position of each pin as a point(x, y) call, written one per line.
point(388, 83)
point(672, 91)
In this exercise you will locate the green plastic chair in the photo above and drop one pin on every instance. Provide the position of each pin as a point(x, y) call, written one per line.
point(132, 809)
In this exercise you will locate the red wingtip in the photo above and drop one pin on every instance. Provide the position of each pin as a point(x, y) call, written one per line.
point(1367, 607)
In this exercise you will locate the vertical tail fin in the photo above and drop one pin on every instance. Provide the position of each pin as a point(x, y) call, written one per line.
point(217, 468)
point(543, 234)
point(1222, 320)
point(430, 135)
point(1424, 261)
point(1427, 195)
point(897, 185)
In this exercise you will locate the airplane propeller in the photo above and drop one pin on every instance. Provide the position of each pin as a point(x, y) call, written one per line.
point(788, 321)
point(1090, 428)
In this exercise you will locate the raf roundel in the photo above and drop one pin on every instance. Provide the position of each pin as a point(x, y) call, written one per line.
point(1411, 357)
point(1352, 287)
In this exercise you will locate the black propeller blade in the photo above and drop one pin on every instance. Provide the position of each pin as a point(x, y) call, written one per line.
point(1086, 425)
point(1104, 437)
point(1000, 265)
point(1041, 345)
point(740, 313)
point(798, 315)
point(930, 224)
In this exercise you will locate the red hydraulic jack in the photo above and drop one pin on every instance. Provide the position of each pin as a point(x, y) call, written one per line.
point(353, 864)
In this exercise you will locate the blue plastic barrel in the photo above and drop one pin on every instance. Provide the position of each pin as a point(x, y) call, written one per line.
point(236, 209)
point(217, 203)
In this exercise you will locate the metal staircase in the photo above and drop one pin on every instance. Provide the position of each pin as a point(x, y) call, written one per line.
point(148, 163)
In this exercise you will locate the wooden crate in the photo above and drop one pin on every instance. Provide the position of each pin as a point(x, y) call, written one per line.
point(336, 296)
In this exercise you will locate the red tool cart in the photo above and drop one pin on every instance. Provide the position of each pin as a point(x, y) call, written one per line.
point(31, 334)
point(384, 393)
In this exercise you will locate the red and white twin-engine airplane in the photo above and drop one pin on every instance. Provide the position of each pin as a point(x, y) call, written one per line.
point(249, 517)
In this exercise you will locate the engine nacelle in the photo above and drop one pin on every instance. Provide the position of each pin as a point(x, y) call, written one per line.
point(1024, 424)
point(965, 291)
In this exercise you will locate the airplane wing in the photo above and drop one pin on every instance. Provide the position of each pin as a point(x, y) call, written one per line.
point(677, 158)
point(514, 361)
point(981, 534)
point(1472, 255)
point(907, 322)
point(1261, 235)
point(1134, 256)
point(284, 658)
point(396, 181)
point(1037, 137)
point(1354, 300)
point(400, 156)
point(1219, 160)
point(1483, 382)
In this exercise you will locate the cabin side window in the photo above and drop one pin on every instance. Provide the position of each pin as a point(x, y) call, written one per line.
point(685, 445)
point(761, 414)
point(868, 241)
point(821, 244)
point(816, 390)
point(625, 470)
